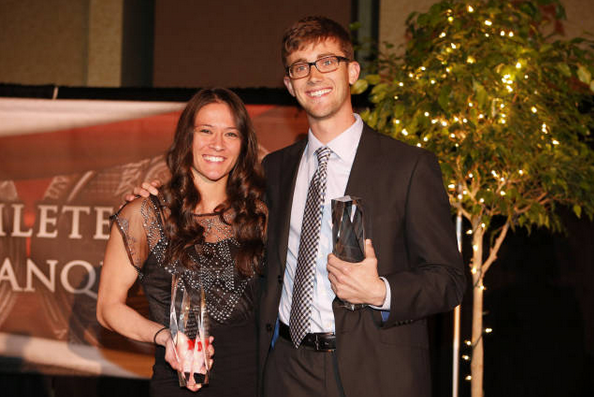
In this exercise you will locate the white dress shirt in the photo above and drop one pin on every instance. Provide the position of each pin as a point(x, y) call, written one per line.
point(344, 148)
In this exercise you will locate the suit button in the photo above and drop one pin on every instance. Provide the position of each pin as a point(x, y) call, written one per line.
point(280, 279)
point(269, 327)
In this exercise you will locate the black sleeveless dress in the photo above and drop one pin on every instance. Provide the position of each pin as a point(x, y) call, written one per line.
point(230, 297)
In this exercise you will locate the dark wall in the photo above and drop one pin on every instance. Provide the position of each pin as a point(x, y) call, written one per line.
point(234, 44)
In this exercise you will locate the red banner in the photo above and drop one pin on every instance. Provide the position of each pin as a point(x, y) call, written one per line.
point(65, 166)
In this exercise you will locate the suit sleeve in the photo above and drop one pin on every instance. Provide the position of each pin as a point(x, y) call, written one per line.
point(434, 281)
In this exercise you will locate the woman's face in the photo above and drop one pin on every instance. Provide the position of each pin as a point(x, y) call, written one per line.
point(216, 144)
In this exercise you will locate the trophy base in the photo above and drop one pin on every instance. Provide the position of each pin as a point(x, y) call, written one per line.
point(199, 379)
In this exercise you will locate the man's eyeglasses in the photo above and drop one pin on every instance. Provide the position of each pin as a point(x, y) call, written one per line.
point(327, 64)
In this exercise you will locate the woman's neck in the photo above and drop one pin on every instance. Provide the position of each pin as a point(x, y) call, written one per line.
point(211, 196)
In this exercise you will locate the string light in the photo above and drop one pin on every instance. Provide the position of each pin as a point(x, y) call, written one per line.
point(483, 225)
point(401, 84)
point(432, 81)
point(465, 120)
point(534, 109)
point(502, 193)
point(470, 59)
point(473, 271)
point(481, 116)
point(469, 231)
point(425, 139)
point(451, 186)
point(450, 19)
point(453, 46)
point(468, 343)
point(481, 200)
point(470, 104)
point(470, 175)
point(555, 142)
point(465, 357)
point(511, 34)
point(442, 35)
point(502, 33)
point(426, 114)
point(488, 330)
point(488, 22)
point(521, 172)
point(444, 123)
point(518, 65)
point(468, 378)
point(470, 9)
point(404, 132)
point(475, 247)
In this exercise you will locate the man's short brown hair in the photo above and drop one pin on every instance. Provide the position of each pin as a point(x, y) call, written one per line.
point(314, 30)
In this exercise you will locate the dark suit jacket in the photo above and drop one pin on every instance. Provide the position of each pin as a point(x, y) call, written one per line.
point(414, 240)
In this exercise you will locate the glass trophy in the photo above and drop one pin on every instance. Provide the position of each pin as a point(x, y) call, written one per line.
point(348, 233)
point(188, 324)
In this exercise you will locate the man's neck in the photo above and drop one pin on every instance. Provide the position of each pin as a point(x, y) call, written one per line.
point(325, 130)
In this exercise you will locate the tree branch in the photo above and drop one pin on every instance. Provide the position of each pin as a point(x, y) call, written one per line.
point(493, 251)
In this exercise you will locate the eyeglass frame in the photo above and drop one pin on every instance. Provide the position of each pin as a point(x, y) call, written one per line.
point(310, 64)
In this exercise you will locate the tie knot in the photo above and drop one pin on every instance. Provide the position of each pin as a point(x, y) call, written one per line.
point(323, 153)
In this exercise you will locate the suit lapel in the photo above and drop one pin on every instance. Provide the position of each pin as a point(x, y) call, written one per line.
point(290, 166)
point(360, 172)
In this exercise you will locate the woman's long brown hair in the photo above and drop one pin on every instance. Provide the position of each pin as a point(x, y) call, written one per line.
point(245, 188)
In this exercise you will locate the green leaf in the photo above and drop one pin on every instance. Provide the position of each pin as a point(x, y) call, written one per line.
point(584, 74)
point(481, 94)
point(359, 87)
point(592, 86)
point(577, 210)
point(444, 96)
point(373, 79)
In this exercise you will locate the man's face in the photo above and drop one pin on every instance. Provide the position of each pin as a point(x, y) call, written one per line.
point(323, 95)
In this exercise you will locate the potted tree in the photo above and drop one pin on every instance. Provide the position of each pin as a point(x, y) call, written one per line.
point(489, 87)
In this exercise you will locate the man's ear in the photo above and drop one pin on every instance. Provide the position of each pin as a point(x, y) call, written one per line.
point(354, 70)
point(289, 84)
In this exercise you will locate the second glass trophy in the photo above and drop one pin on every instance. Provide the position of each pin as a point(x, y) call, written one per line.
point(348, 232)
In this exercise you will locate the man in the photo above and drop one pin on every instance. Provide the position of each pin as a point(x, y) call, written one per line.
point(309, 345)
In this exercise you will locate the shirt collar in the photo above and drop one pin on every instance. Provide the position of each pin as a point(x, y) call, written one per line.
point(344, 145)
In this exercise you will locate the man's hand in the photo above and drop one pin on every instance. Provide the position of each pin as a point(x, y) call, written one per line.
point(145, 190)
point(357, 282)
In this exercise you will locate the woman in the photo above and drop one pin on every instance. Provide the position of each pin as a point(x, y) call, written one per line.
point(209, 223)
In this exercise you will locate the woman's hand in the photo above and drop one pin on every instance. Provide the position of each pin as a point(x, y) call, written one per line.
point(175, 359)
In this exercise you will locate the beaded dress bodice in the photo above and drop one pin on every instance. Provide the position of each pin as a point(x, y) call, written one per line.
point(230, 296)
